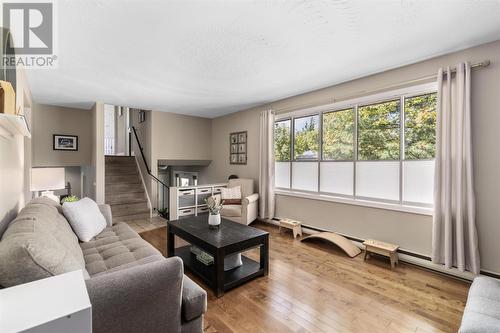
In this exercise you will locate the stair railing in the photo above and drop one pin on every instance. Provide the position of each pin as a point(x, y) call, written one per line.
point(162, 186)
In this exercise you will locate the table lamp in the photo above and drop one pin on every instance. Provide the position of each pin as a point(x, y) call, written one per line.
point(46, 180)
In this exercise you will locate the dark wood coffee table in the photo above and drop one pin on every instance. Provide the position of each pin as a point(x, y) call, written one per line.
point(229, 238)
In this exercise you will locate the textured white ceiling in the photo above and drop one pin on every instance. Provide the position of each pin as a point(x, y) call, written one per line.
point(210, 58)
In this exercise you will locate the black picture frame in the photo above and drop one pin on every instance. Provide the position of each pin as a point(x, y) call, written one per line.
point(64, 142)
point(238, 148)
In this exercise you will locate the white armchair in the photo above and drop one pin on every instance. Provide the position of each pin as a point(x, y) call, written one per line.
point(247, 212)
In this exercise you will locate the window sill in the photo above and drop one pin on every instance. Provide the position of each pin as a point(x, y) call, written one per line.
point(358, 202)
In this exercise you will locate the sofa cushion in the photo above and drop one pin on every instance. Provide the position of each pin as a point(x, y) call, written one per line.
point(231, 210)
point(482, 311)
point(194, 300)
point(38, 244)
point(115, 248)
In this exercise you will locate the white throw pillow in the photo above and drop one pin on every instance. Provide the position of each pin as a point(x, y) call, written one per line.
point(230, 193)
point(85, 218)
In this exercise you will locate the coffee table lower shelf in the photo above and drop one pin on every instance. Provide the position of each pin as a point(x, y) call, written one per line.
point(232, 278)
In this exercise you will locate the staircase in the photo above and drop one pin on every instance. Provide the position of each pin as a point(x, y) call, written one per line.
point(124, 190)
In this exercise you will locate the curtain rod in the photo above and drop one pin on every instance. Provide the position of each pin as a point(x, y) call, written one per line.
point(484, 63)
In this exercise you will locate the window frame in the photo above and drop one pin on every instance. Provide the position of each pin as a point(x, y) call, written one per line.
point(355, 103)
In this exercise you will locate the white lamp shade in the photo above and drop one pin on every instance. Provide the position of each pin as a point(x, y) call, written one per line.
point(43, 179)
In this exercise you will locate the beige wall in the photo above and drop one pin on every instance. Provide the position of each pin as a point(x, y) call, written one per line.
point(97, 156)
point(50, 120)
point(15, 160)
point(176, 136)
point(411, 231)
point(219, 169)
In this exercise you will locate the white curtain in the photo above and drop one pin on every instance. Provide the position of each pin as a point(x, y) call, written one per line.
point(266, 166)
point(454, 235)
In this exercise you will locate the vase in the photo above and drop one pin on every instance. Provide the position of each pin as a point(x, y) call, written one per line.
point(213, 220)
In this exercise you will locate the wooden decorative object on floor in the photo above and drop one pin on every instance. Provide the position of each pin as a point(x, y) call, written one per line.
point(293, 225)
point(346, 245)
point(382, 248)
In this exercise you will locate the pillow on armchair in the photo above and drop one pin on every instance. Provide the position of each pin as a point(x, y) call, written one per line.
point(231, 196)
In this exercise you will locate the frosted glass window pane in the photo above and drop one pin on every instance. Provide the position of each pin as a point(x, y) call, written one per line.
point(378, 180)
point(305, 176)
point(282, 174)
point(337, 177)
point(418, 181)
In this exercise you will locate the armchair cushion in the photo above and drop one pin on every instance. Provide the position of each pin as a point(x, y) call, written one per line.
point(231, 193)
point(231, 210)
point(194, 300)
point(245, 184)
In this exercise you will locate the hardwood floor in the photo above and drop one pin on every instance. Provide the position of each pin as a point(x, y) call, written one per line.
point(314, 287)
point(146, 223)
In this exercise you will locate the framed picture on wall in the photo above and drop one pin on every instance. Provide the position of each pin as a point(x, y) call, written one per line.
point(65, 142)
point(238, 148)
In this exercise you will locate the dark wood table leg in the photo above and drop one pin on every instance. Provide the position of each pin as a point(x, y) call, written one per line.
point(170, 242)
point(219, 273)
point(264, 255)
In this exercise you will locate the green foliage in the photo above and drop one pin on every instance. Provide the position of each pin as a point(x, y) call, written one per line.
point(282, 140)
point(338, 135)
point(306, 144)
point(378, 131)
point(420, 127)
point(163, 212)
point(71, 198)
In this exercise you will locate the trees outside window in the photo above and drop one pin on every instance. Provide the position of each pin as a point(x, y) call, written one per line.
point(282, 140)
point(378, 131)
point(338, 135)
point(306, 138)
point(420, 127)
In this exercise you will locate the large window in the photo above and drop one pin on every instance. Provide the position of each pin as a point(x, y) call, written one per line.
point(378, 149)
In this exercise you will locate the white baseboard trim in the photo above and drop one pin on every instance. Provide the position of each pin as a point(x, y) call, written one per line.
point(414, 260)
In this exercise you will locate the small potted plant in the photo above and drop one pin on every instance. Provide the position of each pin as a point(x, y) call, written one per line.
point(214, 211)
point(69, 198)
point(163, 212)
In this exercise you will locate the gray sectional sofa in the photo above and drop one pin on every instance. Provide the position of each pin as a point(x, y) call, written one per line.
point(482, 311)
point(132, 287)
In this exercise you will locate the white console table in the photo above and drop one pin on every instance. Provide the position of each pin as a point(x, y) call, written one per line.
point(56, 304)
point(190, 200)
